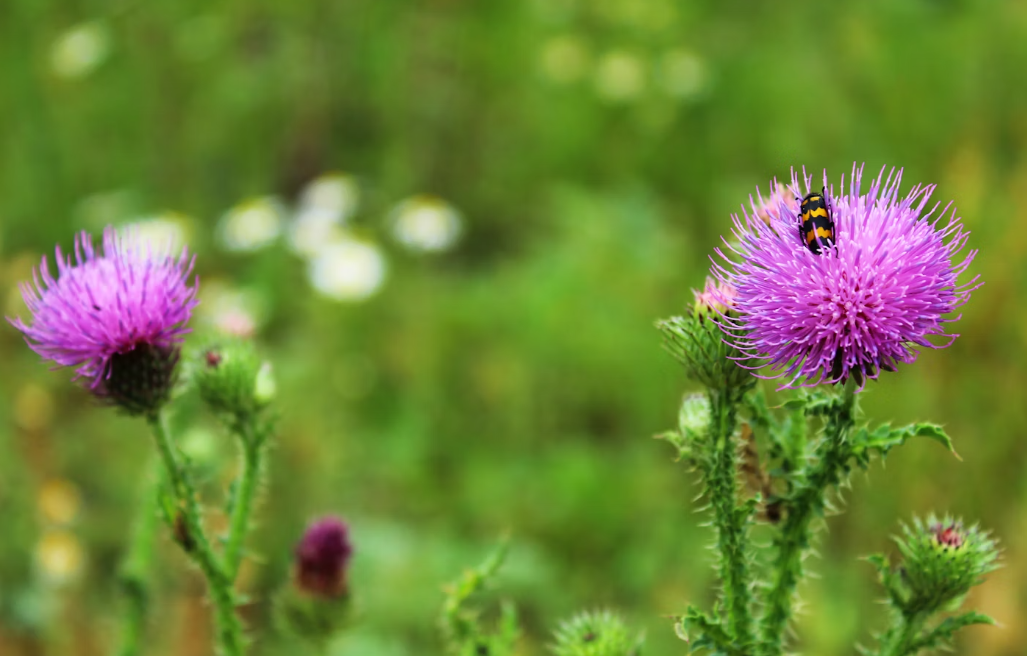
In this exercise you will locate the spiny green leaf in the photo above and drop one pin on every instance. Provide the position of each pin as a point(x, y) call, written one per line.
point(942, 634)
point(884, 438)
point(701, 631)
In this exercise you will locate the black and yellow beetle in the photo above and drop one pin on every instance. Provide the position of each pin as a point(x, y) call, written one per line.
point(816, 222)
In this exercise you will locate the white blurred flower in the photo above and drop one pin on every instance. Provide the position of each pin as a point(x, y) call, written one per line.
point(165, 230)
point(79, 50)
point(620, 76)
point(325, 205)
point(251, 225)
point(231, 310)
point(426, 223)
point(333, 192)
point(682, 74)
point(59, 556)
point(348, 270)
point(564, 58)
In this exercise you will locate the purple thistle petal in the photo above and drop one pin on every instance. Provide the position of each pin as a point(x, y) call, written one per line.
point(862, 305)
point(107, 304)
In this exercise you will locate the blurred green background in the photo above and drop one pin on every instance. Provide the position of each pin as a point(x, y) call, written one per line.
point(451, 225)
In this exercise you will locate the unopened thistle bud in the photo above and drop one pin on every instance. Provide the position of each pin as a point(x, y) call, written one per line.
point(322, 558)
point(693, 422)
point(596, 633)
point(232, 379)
point(703, 344)
point(942, 560)
point(319, 604)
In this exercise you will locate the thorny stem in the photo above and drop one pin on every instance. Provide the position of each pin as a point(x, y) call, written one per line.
point(135, 568)
point(808, 502)
point(195, 544)
point(251, 439)
point(729, 519)
point(903, 635)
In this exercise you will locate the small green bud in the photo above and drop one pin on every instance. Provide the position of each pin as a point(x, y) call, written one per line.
point(596, 633)
point(694, 416)
point(232, 379)
point(701, 342)
point(265, 388)
point(942, 560)
point(693, 422)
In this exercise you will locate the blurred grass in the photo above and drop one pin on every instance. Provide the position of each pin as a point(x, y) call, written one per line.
point(595, 151)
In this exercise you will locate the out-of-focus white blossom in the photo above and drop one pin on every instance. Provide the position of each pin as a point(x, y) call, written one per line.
point(325, 205)
point(79, 50)
point(348, 270)
point(426, 223)
point(164, 230)
point(251, 225)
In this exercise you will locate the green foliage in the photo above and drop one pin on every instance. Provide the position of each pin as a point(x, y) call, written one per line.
point(512, 381)
point(884, 438)
point(794, 478)
point(704, 633)
point(941, 561)
point(821, 472)
point(462, 627)
point(701, 345)
point(596, 633)
point(314, 620)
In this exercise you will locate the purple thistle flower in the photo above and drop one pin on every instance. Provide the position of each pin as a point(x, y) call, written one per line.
point(862, 305)
point(118, 316)
point(322, 556)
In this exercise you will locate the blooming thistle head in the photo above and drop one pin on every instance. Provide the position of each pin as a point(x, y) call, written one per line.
point(322, 557)
point(781, 199)
point(863, 304)
point(699, 343)
point(118, 315)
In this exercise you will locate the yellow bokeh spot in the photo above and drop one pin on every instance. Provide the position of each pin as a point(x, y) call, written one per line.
point(59, 556)
point(33, 407)
point(59, 501)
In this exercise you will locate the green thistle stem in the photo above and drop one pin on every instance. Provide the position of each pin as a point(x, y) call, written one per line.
point(807, 503)
point(245, 491)
point(729, 519)
point(135, 569)
point(196, 545)
point(903, 636)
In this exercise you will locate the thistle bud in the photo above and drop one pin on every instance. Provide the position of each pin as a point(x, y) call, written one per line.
point(318, 604)
point(942, 560)
point(322, 557)
point(702, 341)
point(596, 633)
point(232, 379)
point(693, 422)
